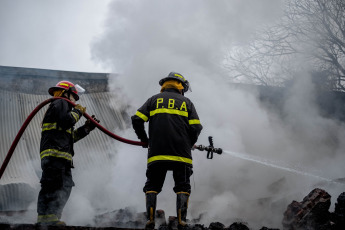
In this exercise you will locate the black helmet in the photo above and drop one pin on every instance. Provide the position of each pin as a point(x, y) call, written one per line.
point(178, 77)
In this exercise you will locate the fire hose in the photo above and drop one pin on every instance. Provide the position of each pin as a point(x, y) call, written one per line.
point(210, 149)
point(33, 113)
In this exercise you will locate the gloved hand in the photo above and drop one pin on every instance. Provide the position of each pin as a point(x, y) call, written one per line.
point(80, 108)
point(90, 125)
point(146, 141)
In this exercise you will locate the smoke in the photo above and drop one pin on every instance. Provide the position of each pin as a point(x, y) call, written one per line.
point(143, 42)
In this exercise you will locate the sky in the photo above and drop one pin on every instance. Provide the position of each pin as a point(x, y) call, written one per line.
point(142, 41)
point(51, 34)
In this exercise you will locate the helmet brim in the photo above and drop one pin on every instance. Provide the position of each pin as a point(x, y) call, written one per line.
point(52, 89)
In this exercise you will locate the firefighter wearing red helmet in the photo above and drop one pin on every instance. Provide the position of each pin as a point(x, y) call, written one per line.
point(56, 151)
point(174, 127)
point(68, 87)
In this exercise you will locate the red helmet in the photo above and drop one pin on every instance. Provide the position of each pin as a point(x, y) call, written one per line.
point(67, 86)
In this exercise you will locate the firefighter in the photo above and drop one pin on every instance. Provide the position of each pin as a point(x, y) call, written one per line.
point(56, 151)
point(174, 127)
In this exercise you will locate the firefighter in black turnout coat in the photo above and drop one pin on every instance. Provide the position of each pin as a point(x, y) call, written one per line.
point(174, 127)
point(56, 151)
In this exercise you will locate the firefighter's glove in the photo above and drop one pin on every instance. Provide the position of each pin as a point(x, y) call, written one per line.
point(146, 143)
point(80, 108)
point(89, 125)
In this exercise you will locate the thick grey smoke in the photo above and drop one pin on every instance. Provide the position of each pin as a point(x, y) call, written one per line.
point(145, 40)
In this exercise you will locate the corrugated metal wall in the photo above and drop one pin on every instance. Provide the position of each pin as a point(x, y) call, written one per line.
point(21, 179)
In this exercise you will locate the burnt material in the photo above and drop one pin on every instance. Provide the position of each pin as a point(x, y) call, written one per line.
point(312, 213)
point(265, 228)
point(127, 218)
point(338, 217)
point(216, 226)
point(238, 226)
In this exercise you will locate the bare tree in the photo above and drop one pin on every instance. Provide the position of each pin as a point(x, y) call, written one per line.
point(310, 34)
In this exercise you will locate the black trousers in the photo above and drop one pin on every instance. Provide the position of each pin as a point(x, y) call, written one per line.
point(56, 186)
point(156, 173)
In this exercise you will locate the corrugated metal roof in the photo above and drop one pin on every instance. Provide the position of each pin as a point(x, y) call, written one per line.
point(22, 174)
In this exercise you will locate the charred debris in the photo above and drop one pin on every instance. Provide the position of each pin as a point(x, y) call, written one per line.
point(312, 213)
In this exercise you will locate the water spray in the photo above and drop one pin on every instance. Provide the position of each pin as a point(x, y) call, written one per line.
point(266, 162)
point(211, 149)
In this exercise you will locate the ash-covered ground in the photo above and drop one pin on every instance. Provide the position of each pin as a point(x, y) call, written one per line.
point(312, 213)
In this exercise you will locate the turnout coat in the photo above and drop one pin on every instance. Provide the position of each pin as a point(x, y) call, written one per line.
point(58, 134)
point(174, 127)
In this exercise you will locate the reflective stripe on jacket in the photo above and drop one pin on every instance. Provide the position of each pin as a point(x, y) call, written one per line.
point(174, 127)
point(50, 126)
point(56, 153)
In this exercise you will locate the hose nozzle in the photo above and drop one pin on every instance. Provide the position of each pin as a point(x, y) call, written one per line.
point(210, 149)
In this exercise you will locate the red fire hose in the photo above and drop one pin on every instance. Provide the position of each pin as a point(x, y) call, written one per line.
point(33, 113)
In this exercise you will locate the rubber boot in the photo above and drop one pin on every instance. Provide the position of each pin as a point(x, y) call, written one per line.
point(181, 208)
point(52, 219)
point(151, 201)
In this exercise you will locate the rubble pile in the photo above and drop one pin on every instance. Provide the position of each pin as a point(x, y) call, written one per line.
point(312, 213)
